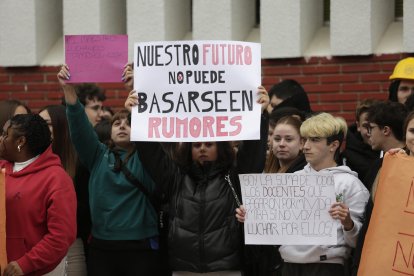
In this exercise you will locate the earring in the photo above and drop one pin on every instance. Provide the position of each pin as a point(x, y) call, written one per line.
point(19, 148)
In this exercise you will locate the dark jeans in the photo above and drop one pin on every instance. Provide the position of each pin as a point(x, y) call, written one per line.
point(127, 258)
point(314, 269)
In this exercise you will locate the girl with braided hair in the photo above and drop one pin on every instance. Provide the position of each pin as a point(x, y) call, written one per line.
point(40, 198)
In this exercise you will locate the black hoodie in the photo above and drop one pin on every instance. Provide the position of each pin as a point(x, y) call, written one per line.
point(299, 101)
point(359, 155)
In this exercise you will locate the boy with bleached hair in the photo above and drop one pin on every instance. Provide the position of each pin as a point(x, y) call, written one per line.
point(323, 135)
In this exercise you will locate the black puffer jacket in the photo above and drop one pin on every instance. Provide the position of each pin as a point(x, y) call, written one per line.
point(204, 235)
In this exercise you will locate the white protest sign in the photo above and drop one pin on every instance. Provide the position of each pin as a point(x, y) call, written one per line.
point(196, 91)
point(289, 209)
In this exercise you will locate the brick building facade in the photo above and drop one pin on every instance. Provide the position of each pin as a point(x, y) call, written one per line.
point(334, 85)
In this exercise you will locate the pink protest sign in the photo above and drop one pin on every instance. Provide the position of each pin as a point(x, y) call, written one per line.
point(96, 58)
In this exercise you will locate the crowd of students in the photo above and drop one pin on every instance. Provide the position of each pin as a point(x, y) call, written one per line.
point(82, 199)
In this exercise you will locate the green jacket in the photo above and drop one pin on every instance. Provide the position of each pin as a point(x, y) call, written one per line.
point(119, 210)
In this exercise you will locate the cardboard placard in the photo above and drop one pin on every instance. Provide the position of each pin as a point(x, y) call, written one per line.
point(389, 242)
point(289, 209)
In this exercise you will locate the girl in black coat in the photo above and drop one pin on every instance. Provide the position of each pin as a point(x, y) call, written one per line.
point(204, 235)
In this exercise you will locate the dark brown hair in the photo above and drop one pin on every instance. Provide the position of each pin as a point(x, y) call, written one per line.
point(61, 143)
point(363, 107)
point(409, 117)
point(225, 154)
point(7, 109)
point(122, 114)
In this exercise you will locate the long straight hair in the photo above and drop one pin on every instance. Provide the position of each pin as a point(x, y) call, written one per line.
point(61, 143)
point(225, 155)
point(7, 109)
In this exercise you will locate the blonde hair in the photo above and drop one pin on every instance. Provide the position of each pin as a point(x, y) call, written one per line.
point(324, 125)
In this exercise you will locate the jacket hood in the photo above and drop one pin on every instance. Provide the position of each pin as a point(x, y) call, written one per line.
point(355, 143)
point(333, 170)
point(45, 160)
point(299, 101)
point(208, 170)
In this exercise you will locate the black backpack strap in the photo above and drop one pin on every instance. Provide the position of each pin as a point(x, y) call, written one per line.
point(120, 166)
point(131, 178)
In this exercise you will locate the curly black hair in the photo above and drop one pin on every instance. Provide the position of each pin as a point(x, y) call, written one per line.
point(35, 129)
point(391, 114)
point(88, 91)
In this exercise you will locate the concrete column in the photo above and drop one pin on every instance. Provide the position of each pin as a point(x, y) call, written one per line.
point(157, 20)
point(94, 17)
point(408, 23)
point(32, 29)
point(358, 25)
point(382, 16)
point(177, 19)
point(287, 27)
point(223, 19)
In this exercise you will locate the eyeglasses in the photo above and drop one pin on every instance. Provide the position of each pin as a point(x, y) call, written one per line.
point(369, 127)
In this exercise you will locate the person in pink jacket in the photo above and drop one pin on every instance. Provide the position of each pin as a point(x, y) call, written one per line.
point(40, 198)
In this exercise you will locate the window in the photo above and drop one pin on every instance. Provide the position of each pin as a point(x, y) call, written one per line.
point(326, 12)
point(257, 13)
point(399, 7)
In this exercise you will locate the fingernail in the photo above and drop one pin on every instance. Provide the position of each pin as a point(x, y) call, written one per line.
point(68, 77)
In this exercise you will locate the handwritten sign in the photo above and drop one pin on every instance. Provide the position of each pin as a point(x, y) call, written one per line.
point(389, 242)
point(288, 209)
point(196, 91)
point(96, 58)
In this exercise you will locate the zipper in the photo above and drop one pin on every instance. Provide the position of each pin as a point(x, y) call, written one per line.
point(201, 224)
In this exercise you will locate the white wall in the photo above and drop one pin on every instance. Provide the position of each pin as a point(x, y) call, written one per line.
point(311, 14)
point(408, 26)
point(279, 30)
point(223, 19)
point(94, 16)
point(350, 27)
point(157, 20)
point(211, 19)
point(177, 19)
point(31, 32)
point(243, 18)
point(382, 16)
point(357, 26)
point(28, 30)
point(288, 27)
point(112, 17)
